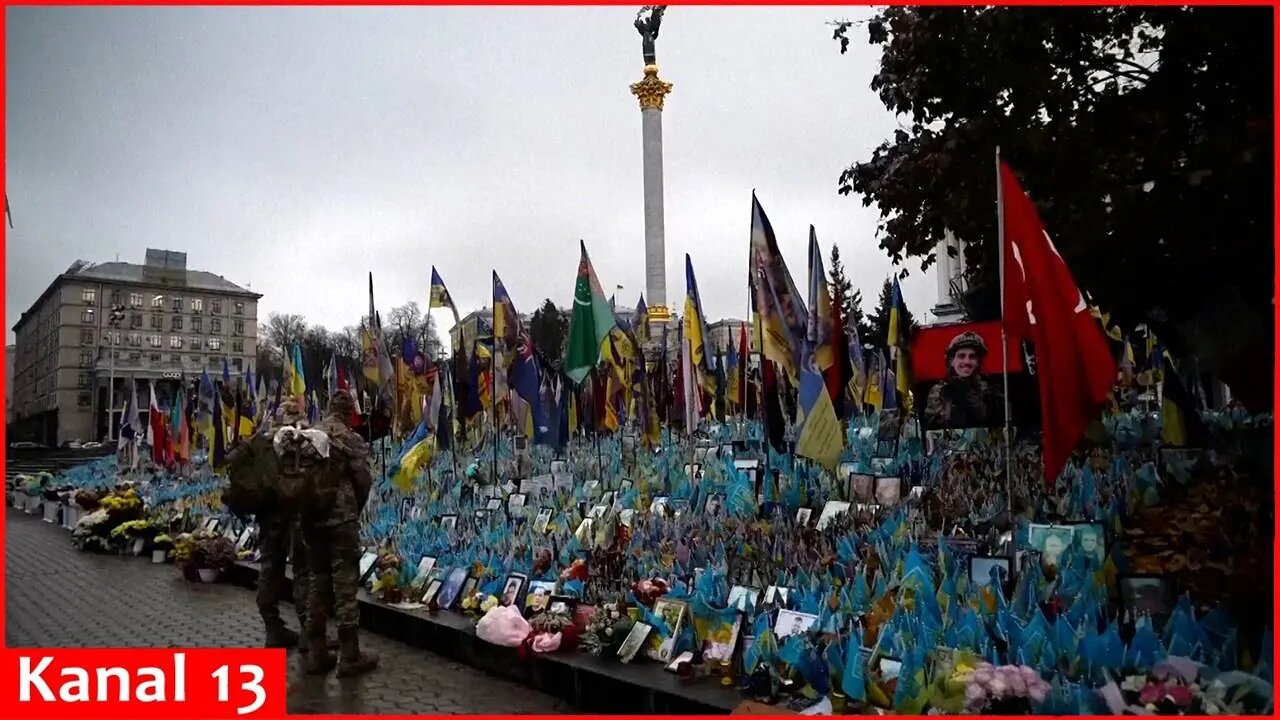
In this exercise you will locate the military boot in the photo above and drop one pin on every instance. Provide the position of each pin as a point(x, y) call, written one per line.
point(279, 636)
point(318, 660)
point(351, 661)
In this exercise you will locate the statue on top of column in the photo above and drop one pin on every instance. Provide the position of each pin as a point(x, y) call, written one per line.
point(648, 20)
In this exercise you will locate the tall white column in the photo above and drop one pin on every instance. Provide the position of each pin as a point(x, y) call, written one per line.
point(655, 240)
point(651, 92)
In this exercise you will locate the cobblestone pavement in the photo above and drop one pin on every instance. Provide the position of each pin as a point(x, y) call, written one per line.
point(56, 596)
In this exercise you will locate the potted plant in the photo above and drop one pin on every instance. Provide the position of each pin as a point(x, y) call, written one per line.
point(211, 556)
point(33, 489)
point(160, 548)
point(135, 534)
point(93, 532)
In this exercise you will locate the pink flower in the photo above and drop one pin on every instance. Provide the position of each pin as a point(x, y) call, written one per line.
point(1180, 694)
point(1038, 692)
point(983, 675)
point(1152, 693)
point(1017, 686)
point(975, 694)
point(998, 687)
point(1029, 674)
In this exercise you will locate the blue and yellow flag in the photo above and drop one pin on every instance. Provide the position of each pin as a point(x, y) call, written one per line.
point(297, 381)
point(898, 347)
point(695, 325)
point(874, 395)
point(783, 317)
point(440, 297)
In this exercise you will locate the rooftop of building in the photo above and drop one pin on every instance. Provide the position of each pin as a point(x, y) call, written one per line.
point(163, 269)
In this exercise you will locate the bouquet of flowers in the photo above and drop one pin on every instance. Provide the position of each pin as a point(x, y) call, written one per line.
point(1180, 687)
point(477, 604)
point(87, 500)
point(133, 529)
point(1004, 690)
point(213, 552)
point(92, 532)
point(607, 629)
point(387, 587)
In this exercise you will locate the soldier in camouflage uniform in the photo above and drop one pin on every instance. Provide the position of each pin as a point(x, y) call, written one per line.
point(964, 399)
point(278, 534)
point(331, 530)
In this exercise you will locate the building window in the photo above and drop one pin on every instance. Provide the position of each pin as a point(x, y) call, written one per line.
point(215, 344)
point(153, 341)
point(83, 399)
point(176, 304)
point(155, 357)
point(237, 345)
point(115, 297)
point(197, 324)
point(177, 322)
point(135, 299)
point(237, 327)
point(86, 359)
point(215, 326)
point(84, 380)
point(135, 339)
point(237, 364)
point(215, 307)
point(194, 342)
point(157, 301)
point(135, 320)
point(197, 305)
point(112, 338)
point(156, 322)
point(86, 337)
point(135, 356)
point(175, 341)
point(239, 308)
point(86, 316)
point(89, 296)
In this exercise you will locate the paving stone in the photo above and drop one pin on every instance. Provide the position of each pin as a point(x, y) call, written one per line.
point(57, 596)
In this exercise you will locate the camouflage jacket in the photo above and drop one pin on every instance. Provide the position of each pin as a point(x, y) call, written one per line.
point(956, 403)
point(348, 470)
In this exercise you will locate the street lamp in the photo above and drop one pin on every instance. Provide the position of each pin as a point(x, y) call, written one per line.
point(113, 324)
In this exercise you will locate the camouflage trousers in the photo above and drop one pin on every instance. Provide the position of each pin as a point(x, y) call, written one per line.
point(278, 535)
point(334, 552)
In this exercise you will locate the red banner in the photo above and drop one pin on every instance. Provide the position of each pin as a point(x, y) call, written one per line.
point(929, 350)
point(171, 683)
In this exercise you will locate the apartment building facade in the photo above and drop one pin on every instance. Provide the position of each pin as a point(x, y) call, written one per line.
point(100, 327)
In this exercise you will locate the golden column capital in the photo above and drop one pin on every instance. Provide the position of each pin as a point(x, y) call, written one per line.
point(651, 90)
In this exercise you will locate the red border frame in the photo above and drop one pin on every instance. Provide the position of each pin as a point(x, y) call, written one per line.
point(1275, 134)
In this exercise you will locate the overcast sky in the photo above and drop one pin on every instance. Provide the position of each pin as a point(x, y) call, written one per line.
point(292, 150)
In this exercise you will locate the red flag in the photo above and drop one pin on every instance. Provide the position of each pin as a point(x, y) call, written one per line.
point(841, 371)
point(1043, 304)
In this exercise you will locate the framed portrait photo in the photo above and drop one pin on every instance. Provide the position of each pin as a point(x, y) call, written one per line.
point(543, 519)
point(1090, 540)
point(1051, 541)
point(980, 567)
point(512, 590)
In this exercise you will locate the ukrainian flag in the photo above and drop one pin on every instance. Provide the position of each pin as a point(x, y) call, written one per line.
point(897, 343)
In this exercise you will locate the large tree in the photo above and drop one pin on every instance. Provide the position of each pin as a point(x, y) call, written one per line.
point(1143, 134)
point(408, 320)
point(850, 299)
point(548, 329)
point(279, 334)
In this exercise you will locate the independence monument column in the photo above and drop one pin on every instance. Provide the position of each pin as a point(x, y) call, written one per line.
point(651, 92)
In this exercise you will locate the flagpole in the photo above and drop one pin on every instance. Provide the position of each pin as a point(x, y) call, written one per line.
point(1004, 354)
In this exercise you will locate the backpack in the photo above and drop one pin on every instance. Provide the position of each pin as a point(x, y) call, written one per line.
point(252, 468)
point(304, 485)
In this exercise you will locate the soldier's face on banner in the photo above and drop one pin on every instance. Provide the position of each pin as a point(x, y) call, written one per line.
point(965, 362)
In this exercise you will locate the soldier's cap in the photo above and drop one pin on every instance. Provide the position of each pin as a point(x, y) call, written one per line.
point(341, 404)
point(971, 340)
point(290, 413)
